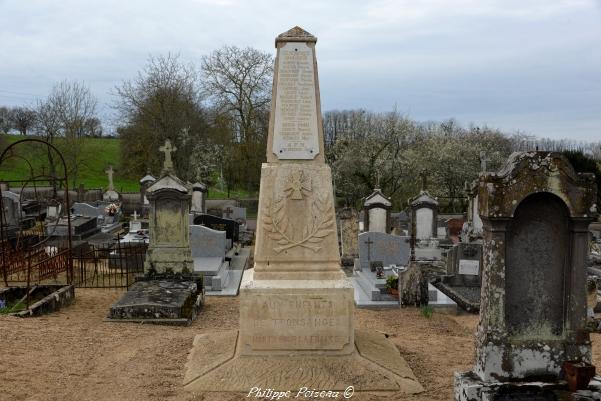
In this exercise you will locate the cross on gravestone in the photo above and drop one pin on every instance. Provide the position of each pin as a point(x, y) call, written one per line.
point(110, 172)
point(228, 212)
point(135, 215)
point(483, 161)
point(167, 148)
point(368, 242)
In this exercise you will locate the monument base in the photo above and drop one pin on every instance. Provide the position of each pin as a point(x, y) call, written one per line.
point(311, 317)
point(469, 387)
point(215, 364)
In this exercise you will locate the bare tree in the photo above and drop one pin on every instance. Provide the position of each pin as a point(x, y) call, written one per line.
point(65, 114)
point(22, 118)
point(238, 83)
point(162, 102)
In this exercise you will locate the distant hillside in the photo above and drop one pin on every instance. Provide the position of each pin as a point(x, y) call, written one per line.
point(99, 154)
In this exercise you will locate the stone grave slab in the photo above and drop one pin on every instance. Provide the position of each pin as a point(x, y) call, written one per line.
point(161, 301)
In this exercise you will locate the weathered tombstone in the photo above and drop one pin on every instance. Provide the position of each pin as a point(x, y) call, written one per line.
point(145, 183)
point(296, 305)
point(377, 212)
point(11, 205)
point(110, 195)
point(535, 214)
point(349, 231)
point(473, 228)
point(169, 248)
point(198, 198)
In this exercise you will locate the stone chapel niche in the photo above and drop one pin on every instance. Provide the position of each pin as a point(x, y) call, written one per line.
point(537, 251)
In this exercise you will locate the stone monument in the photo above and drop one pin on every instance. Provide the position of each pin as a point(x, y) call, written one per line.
point(535, 213)
point(199, 193)
point(377, 212)
point(296, 305)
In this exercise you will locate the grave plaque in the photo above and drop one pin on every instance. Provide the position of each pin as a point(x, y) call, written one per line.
point(295, 132)
point(470, 267)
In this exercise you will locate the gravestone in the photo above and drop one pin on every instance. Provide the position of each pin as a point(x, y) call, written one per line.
point(378, 251)
point(348, 219)
point(198, 198)
point(535, 213)
point(169, 247)
point(11, 205)
point(208, 254)
point(377, 212)
point(424, 215)
point(386, 248)
point(110, 195)
point(145, 183)
point(231, 227)
point(296, 305)
point(238, 214)
point(473, 229)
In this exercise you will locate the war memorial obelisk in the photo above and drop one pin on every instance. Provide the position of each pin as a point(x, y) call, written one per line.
point(296, 304)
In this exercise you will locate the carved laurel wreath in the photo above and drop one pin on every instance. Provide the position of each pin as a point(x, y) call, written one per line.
point(276, 223)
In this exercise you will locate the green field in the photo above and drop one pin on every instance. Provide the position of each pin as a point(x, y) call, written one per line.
point(99, 153)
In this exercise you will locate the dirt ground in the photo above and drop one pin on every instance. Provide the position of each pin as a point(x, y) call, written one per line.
point(74, 355)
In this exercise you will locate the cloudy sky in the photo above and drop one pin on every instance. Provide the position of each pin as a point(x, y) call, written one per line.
point(527, 65)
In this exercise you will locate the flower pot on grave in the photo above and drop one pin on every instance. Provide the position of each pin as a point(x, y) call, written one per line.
point(578, 374)
point(394, 292)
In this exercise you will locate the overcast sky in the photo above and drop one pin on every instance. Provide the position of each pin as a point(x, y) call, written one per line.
point(533, 66)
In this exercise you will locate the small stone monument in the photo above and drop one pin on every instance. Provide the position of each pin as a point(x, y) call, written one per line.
point(145, 183)
point(536, 211)
point(424, 214)
point(296, 305)
point(110, 195)
point(199, 192)
point(377, 212)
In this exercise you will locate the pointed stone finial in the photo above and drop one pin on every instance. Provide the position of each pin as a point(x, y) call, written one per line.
point(167, 149)
point(296, 34)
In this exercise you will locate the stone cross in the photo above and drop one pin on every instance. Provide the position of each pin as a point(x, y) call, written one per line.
point(167, 149)
point(369, 242)
point(228, 212)
point(110, 172)
point(483, 161)
point(424, 177)
point(135, 215)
